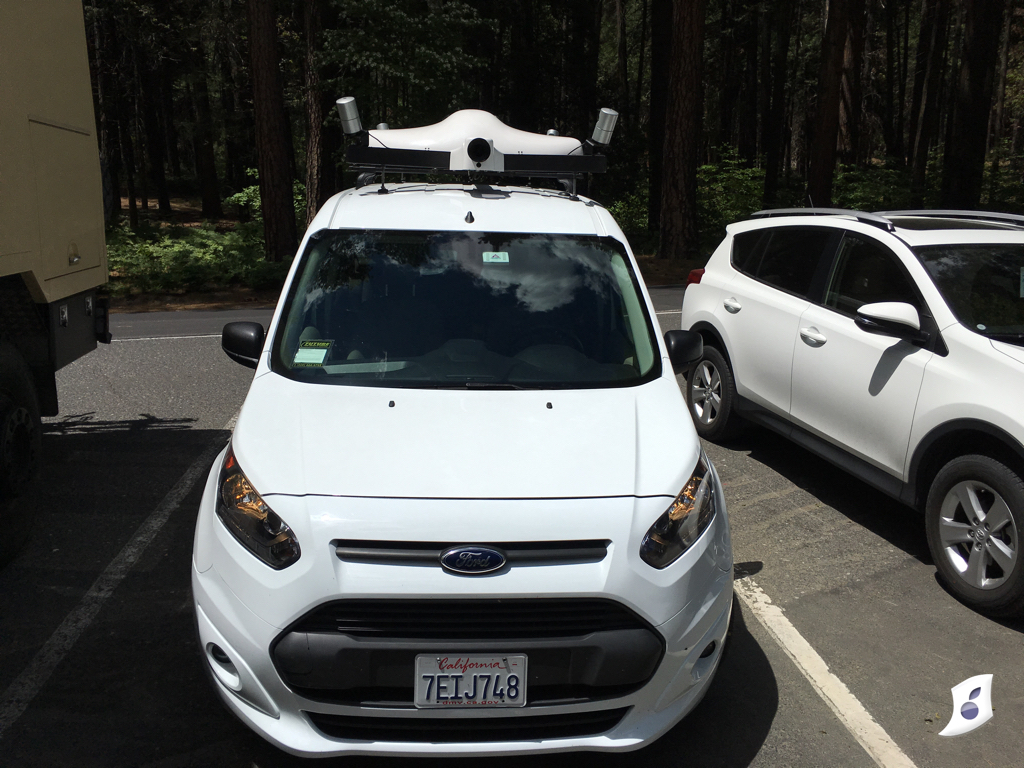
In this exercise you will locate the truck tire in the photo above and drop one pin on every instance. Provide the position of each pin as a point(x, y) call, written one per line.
point(20, 451)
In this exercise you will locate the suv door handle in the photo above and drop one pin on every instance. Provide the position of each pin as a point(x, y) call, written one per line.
point(812, 337)
point(731, 305)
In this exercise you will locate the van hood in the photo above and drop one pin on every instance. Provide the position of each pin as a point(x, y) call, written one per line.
point(316, 439)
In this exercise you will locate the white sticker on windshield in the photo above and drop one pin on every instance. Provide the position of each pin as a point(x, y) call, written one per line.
point(311, 353)
point(495, 257)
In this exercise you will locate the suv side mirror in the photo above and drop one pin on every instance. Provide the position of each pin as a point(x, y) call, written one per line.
point(684, 348)
point(243, 342)
point(891, 318)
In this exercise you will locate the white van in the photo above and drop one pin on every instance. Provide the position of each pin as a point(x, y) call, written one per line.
point(464, 510)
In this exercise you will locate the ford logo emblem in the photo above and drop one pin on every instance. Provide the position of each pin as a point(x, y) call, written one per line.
point(472, 560)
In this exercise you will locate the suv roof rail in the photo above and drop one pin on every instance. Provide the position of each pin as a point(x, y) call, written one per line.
point(1002, 218)
point(874, 219)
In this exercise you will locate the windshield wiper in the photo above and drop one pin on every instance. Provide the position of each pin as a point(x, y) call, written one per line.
point(1008, 338)
point(486, 385)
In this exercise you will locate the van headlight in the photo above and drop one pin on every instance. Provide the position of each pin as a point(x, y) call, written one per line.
point(684, 521)
point(256, 526)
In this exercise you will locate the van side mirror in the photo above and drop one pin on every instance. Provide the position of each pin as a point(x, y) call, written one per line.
point(684, 348)
point(243, 342)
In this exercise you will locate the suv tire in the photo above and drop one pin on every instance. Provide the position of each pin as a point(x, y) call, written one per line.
point(975, 517)
point(710, 394)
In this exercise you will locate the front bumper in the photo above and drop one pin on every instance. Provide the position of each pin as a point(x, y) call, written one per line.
point(243, 609)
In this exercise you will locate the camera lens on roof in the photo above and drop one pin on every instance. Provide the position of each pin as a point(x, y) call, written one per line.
point(478, 150)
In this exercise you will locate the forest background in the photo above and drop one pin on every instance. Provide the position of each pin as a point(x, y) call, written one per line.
point(726, 107)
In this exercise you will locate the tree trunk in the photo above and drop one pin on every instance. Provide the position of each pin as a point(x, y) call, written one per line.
point(155, 140)
point(683, 117)
point(272, 147)
point(639, 91)
point(822, 144)
point(314, 110)
point(748, 89)
point(661, 55)
point(764, 84)
point(965, 154)
point(104, 43)
point(206, 162)
point(622, 68)
point(124, 133)
point(851, 92)
point(168, 114)
point(996, 134)
point(924, 113)
point(523, 87)
point(776, 119)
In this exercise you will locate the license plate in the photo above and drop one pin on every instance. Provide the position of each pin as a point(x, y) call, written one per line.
point(459, 680)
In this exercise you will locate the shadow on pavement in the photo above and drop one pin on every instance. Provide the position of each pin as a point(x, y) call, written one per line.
point(88, 464)
point(898, 524)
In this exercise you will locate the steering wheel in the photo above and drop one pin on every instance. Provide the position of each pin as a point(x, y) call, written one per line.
point(547, 334)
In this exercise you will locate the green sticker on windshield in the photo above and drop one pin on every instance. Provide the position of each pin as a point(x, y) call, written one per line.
point(312, 353)
point(495, 257)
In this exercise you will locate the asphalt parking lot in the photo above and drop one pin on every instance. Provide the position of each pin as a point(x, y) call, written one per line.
point(98, 664)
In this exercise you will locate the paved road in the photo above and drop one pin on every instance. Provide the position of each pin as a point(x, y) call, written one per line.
point(97, 659)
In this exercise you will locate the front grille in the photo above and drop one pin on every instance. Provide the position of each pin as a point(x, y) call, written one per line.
point(427, 553)
point(471, 729)
point(362, 652)
point(469, 619)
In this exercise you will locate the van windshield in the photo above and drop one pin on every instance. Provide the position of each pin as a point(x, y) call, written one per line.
point(465, 310)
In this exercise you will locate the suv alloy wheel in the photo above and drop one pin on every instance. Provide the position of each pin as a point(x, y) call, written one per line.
point(710, 392)
point(973, 517)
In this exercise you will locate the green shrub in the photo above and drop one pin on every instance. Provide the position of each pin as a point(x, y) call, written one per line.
point(247, 202)
point(873, 188)
point(182, 259)
point(726, 192)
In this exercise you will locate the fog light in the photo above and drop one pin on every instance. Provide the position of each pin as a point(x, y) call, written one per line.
point(223, 668)
point(709, 650)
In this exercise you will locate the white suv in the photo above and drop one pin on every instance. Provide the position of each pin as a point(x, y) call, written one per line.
point(457, 514)
point(892, 345)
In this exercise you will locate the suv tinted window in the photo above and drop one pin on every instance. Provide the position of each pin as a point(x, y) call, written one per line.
point(783, 257)
point(866, 272)
point(983, 285)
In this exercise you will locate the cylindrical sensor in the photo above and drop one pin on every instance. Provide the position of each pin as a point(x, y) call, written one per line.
point(606, 120)
point(349, 113)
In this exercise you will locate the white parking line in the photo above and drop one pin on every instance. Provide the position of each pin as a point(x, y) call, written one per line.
point(26, 686)
point(163, 338)
point(851, 713)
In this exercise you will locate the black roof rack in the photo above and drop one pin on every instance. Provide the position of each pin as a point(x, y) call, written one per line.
point(874, 219)
point(364, 158)
point(999, 218)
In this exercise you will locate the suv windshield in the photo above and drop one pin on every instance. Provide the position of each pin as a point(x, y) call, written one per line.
point(983, 285)
point(463, 310)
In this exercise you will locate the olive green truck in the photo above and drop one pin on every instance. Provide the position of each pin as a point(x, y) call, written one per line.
point(52, 250)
